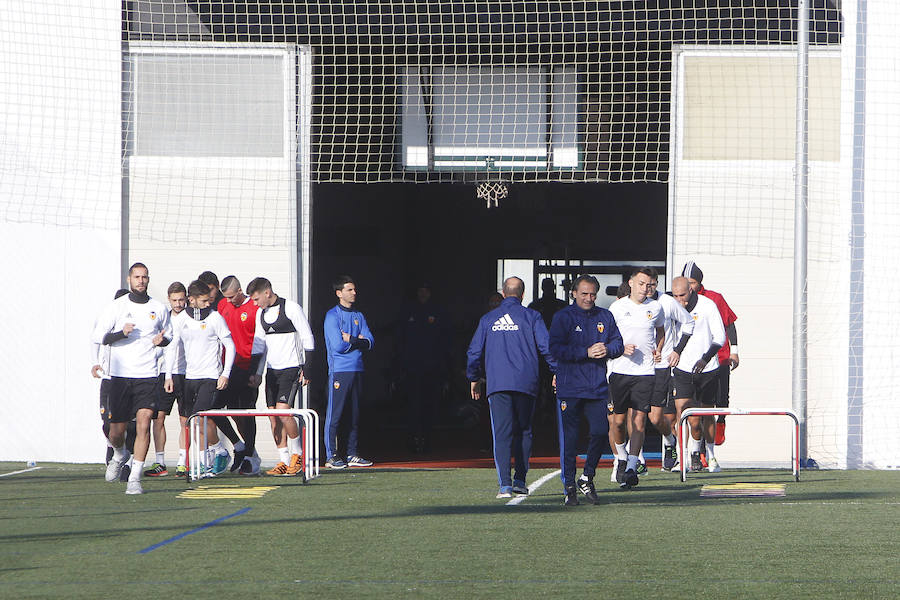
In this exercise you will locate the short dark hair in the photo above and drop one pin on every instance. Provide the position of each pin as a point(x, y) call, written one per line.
point(120, 292)
point(198, 288)
point(259, 284)
point(589, 278)
point(648, 271)
point(209, 278)
point(137, 265)
point(341, 281)
point(624, 290)
point(230, 282)
point(176, 287)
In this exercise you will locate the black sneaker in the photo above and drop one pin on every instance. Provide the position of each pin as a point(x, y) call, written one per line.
point(125, 473)
point(630, 479)
point(620, 471)
point(238, 459)
point(586, 486)
point(571, 496)
point(670, 457)
point(696, 465)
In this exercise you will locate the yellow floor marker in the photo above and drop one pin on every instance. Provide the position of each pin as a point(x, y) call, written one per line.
point(219, 492)
point(732, 490)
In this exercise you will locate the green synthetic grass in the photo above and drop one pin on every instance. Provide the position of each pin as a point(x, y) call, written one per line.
point(66, 533)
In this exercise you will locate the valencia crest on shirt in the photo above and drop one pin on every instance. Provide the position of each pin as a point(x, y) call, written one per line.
point(152, 315)
point(243, 316)
point(337, 385)
point(600, 327)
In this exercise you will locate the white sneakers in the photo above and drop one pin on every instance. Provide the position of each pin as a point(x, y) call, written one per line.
point(114, 468)
point(134, 487)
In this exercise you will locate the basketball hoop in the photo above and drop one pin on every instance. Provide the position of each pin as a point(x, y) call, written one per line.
point(492, 192)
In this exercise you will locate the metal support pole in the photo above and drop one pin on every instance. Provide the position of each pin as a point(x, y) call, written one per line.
point(801, 205)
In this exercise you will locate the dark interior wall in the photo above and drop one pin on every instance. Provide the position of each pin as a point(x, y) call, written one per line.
point(389, 236)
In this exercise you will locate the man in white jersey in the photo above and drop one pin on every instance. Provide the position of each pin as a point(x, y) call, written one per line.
point(133, 326)
point(662, 406)
point(284, 340)
point(202, 334)
point(694, 378)
point(100, 370)
point(640, 321)
point(177, 295)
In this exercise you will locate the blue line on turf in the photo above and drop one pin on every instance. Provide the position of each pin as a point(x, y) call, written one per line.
point(187, 533)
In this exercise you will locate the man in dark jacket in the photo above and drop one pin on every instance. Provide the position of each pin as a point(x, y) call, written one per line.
point(505, 350)
point(583, 337)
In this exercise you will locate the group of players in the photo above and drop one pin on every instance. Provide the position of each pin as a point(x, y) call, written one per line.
point(210, 350)
point(649, 357)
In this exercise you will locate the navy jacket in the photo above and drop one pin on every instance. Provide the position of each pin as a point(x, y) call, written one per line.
point(505, 349)
point(572, 331)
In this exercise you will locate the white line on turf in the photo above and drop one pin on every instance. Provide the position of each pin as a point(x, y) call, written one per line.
point(533, 487)
point(17, 472)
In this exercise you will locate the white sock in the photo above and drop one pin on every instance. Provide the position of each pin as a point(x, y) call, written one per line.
point(239, 447)
point(670, 440)
point(710, 451)
point(161, 458)
point(632, 463)
point(641, 456)
point(182, 457)
point(284, 454)
point(119, 453)
point(137, 467)
point(621, 453)
point(219, 448)
point(293, 445)
point(628, 446)
point(693, 445)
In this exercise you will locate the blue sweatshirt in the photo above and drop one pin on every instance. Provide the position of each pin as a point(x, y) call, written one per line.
point(572, 331)
point(345, 357)
point(505, 349)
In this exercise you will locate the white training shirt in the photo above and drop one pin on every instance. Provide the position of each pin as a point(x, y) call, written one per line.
point(637, 323)
point(202, 341)
point(135, 355)
point(678, 323)
point(708, 330)
point(176, 350)
point(282, 350)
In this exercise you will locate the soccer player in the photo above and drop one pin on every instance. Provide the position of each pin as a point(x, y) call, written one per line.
point(100, 370)
point(239, 312)
point(505, 347)
point(283, 341)
point(728, 354)
point(695, 372)
point(132, 326)
point(583, 336)
point(662, 407)
point(641, 324)
point(202, 334)
point(347, 336)
point(177, 295)
point(215, 294)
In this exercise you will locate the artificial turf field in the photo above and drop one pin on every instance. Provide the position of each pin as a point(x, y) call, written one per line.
point(363, 533)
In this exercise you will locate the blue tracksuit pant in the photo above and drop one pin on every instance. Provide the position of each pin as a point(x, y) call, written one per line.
point(569, 412)
point(511, 419)
point(344, 390)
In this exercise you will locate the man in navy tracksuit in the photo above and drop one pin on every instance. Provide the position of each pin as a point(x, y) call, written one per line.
point(347, 336)
point(505, 348)
point(583, 337)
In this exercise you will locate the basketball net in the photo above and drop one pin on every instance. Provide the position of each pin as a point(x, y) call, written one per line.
point(492, 192)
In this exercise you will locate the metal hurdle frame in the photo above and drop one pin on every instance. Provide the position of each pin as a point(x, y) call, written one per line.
point(310, 435)
point(714, 412)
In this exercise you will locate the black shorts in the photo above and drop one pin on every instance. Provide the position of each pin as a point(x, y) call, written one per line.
point(630, 391)
point(201, 394)
point(280, 385)
point(128, 395)
point(239, 394)
point(167, 400)
point(724, 385)
point(702, 388)
point(104, 401)
point(662, 391)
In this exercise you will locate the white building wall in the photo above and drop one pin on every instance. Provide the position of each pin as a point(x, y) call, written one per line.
point(60, 199)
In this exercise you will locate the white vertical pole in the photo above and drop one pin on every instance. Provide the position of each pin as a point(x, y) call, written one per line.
point(801, 205)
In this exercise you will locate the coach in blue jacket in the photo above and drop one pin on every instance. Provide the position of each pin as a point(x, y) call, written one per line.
point(583, 337)
point(505, 349)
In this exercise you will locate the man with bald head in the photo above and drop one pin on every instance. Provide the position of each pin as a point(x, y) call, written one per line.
point(504, 350)
point(694, 376)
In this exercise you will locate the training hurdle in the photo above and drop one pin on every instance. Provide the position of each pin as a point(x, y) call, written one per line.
point(715, 412)
point(309, 440)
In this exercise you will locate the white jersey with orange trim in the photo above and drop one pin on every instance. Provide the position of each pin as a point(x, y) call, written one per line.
point(708, 330)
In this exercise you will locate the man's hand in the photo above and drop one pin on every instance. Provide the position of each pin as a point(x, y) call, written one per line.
point(629, 349)
point(475, 386)
point(169, 386)
point(735, 361)
point(673, 359)
point(254, 380)
point(700, 365)
point(598, 350)
point(96, 371)
point(222, 383)
point(302, 379)
point(657, 355)
point(158, 338)
point(345, 336)
point(129, 327)
point(553, 383)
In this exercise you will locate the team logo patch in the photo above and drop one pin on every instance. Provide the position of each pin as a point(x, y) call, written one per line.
point(356, 321)
point(562, 405)
point(202, 325)
point(578, 328)
point(649, 315)
point(102, 410)
point(505, 323)
point(695, 317)
point(600, 327)
point(337, 385)
point(243, 316)
point(431, 320)
point(152, 315)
